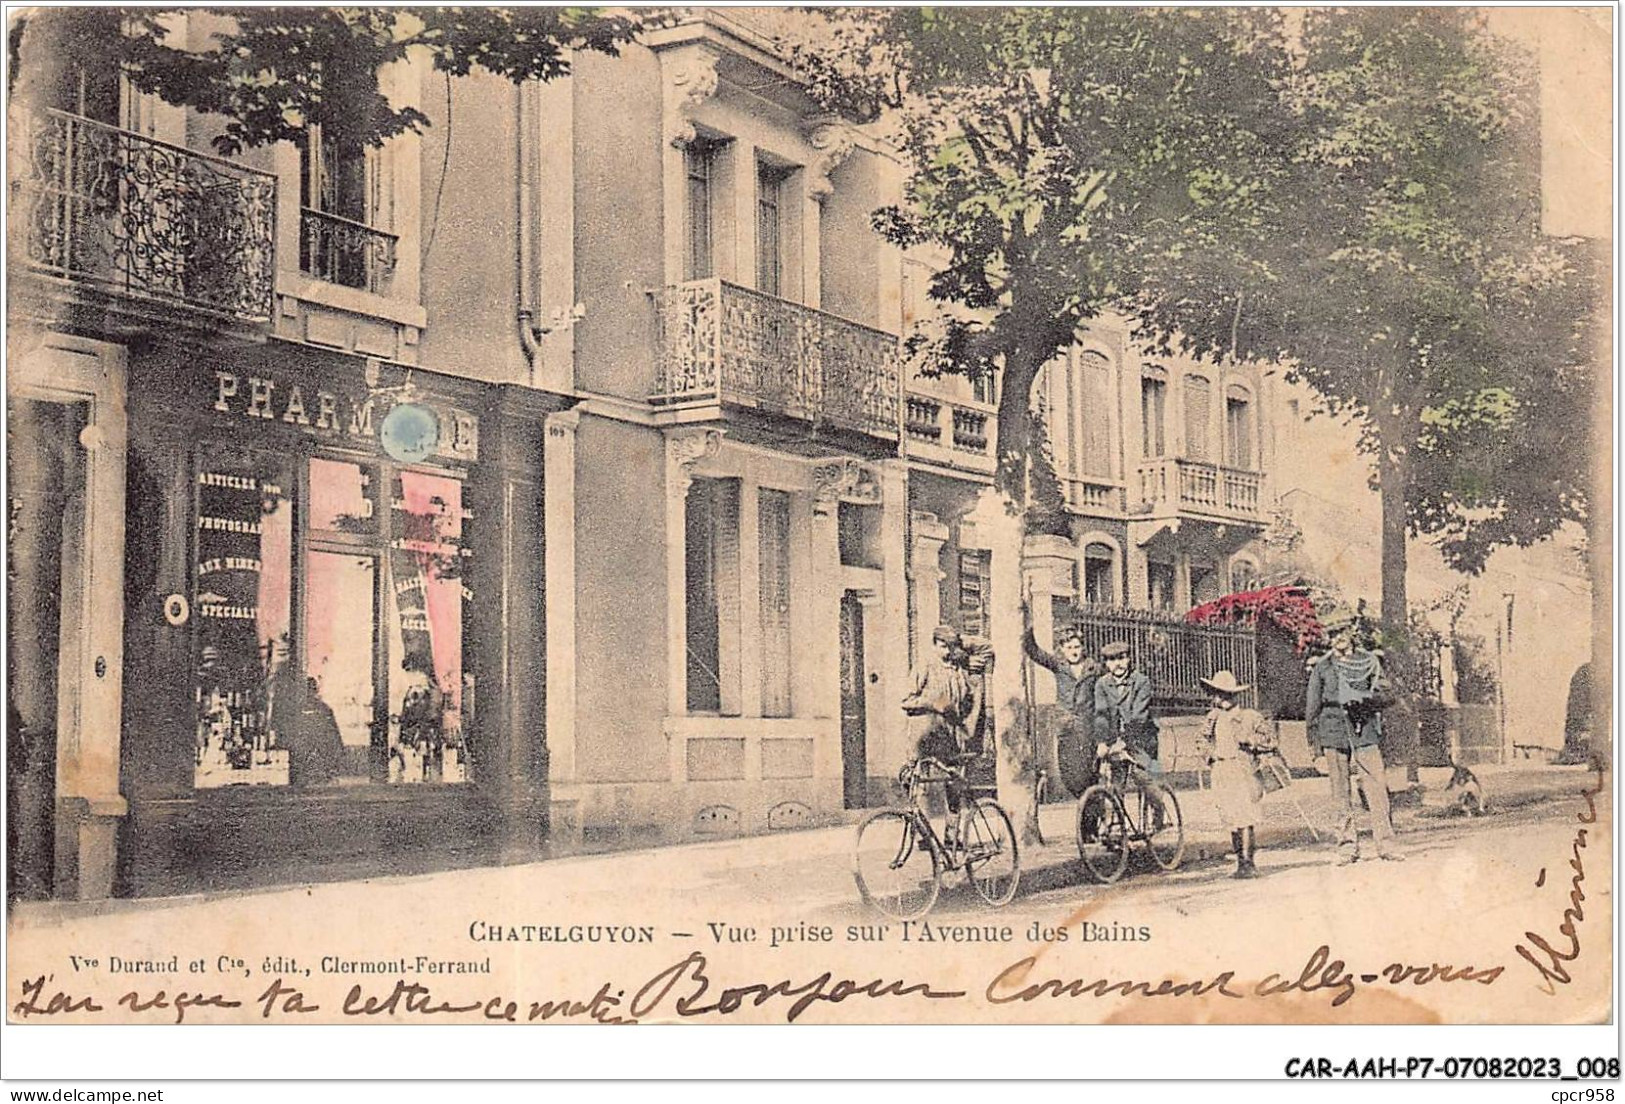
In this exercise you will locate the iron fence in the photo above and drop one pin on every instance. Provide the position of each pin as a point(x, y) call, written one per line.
point(1176, 655)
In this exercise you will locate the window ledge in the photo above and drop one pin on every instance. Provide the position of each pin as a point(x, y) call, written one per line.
point(353, 300)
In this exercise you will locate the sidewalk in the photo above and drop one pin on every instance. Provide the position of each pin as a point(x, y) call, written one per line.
point(811, 869)
point(1283, 825)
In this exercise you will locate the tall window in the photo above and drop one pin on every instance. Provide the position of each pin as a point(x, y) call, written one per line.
point(338, 190)
point(1204, 583)
point(1238, 428)
point(700, 162)
point(712, 578)
point(1099, 574)
point(975, 587)
point(769, 228)
point(773, 538)
point(1198, 409)
point(1243, 576)
point(1153, 407)
point(1159, 577)
point(1095, 412)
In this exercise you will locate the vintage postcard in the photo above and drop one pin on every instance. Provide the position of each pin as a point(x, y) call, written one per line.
point(969, 515)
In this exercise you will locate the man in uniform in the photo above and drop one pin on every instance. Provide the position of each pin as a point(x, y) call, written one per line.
point(1347, 693)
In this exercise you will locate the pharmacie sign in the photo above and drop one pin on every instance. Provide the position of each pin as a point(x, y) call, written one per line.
point(357, 415)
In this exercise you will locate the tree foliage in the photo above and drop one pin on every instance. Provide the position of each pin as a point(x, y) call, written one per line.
point(268, 72)
point(1407, 279)
point(1057, 156)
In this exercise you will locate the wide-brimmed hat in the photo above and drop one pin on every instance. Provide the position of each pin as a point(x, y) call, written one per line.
point(1339, 619)
point(1115, 650)
point(945, 634)
point(1224, 682)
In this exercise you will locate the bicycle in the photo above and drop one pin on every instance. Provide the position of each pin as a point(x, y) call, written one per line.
point(899, 861)
point(1118, 812)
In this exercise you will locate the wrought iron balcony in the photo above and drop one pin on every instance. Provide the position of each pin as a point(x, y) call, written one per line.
point(1176, 485)
point(344, 251)
point(96, 204)
point(729, 345)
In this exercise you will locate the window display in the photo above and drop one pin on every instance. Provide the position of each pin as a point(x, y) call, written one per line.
point(335, 658)
point(242, 607)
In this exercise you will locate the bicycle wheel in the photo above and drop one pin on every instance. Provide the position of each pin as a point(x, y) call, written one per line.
point(896, 866)
point(991, 857)
point(1161, 826)
point(1102, 834)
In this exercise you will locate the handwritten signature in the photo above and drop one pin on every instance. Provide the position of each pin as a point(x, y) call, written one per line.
point(1552, 971)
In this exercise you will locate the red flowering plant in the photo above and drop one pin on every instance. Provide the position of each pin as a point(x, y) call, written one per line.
point(1287, 607)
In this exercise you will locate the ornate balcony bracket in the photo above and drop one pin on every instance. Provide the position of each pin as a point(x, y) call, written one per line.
point(690, 80)
point(834, 143)
point(687, 448)
point(844, 480)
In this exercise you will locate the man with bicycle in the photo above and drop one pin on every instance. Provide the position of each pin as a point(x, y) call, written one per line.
point(943, 701)
point(1123, 709)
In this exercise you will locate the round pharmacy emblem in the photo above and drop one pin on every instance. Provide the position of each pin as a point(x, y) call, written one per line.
point(410, 432)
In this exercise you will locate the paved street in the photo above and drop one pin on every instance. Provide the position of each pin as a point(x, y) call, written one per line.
point(783, 905)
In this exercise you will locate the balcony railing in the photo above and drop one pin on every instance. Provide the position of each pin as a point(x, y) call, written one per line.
point(98, 204)
point(1090, 495)
point(1192, 486)
point(721, 343)
point(344, 251)
point(952, 434)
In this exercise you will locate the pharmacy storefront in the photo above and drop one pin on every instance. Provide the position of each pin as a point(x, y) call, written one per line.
point(318, 682)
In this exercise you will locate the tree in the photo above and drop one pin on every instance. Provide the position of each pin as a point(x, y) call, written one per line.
point(270, 72)
point(1057, 156)
point(1408, 282)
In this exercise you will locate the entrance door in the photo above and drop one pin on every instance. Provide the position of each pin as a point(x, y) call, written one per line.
point(46, 477)
point(854, 719)
point(64, 616)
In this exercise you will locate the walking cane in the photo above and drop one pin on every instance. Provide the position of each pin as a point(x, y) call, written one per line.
point(1278, 769)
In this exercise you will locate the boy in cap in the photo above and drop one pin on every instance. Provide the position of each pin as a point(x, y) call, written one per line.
point(1075, 674)
point(1123, 708)
point(1235, 736)
point(1347, 693)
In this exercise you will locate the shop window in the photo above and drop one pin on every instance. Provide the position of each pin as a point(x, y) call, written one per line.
point(1099, 571)
point(773, 574)
point(1159, 577)
point(367, 683)
point(242, 610)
